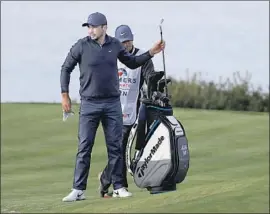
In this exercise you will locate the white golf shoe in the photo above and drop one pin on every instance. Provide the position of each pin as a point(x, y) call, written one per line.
point(74, 195)
point(121, 193)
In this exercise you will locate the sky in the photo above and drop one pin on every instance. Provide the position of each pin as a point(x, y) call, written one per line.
point(215, 38)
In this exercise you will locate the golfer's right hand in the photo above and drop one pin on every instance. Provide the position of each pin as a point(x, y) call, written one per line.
point(66, 102)
point(158, 47)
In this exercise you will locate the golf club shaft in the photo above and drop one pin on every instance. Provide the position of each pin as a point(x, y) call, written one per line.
point(163, 57)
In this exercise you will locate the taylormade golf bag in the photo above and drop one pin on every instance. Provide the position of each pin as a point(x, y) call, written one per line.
point(162, 156)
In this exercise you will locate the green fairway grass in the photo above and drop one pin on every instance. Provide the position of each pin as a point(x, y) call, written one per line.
point(229, 167)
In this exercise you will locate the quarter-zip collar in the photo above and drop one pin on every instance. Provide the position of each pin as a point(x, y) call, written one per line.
point(107, 40)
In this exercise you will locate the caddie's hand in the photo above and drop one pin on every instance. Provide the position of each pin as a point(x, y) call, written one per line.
point(158, 47)
point(66, 103)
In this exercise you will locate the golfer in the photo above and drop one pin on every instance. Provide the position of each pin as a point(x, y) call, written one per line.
point(131, 82)
point(97, 56)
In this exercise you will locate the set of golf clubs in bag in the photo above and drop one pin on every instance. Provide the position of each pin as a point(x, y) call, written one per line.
point(161, 157)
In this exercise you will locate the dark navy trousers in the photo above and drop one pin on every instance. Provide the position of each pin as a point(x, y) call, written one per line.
point(109, 113)
point(106, 174)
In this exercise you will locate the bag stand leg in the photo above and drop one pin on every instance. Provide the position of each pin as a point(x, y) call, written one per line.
point(162, 189)
point(167, 186)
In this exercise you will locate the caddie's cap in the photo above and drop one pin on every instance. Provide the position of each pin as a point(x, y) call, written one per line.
point(123, 33)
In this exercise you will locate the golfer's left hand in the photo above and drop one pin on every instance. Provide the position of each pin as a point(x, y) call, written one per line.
point(158, 47)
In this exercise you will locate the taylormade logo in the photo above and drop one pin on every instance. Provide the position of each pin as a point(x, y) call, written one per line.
point(141, 169)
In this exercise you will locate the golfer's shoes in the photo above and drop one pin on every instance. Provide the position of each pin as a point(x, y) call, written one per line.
point(121, 193)
point(74, 195)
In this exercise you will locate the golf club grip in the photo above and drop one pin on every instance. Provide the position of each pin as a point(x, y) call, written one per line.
point(164, 67)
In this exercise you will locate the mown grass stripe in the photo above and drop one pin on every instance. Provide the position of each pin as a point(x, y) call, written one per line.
point(229, 164)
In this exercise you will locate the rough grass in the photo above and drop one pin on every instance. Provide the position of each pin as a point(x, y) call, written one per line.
point(229, 169)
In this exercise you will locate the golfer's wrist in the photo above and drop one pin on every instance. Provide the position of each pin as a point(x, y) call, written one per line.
point(65, 95)
point(151, 52)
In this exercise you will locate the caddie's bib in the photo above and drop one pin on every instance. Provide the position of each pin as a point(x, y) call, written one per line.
point(129, 83)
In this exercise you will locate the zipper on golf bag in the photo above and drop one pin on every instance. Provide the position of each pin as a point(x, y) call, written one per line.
point(174, 158)
point(184, 150)
point(176, 175)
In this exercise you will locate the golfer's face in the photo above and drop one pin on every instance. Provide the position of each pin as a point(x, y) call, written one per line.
point(128, 45)
point(95, 32)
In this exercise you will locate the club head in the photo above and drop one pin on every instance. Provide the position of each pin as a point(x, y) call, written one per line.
point(160, 25)
point(162, 84)
point(153, 82)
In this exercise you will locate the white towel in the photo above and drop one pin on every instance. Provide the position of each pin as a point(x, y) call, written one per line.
point(66, 115)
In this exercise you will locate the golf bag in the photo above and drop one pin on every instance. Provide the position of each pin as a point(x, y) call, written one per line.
point(162, 156)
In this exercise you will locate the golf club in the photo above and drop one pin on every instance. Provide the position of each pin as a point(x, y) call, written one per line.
point(163, 56)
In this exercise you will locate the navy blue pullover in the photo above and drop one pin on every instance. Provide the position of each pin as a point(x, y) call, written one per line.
point(98, 66)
